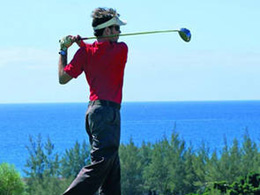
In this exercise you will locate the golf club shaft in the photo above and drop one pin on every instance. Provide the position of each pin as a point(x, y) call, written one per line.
point(137, 33)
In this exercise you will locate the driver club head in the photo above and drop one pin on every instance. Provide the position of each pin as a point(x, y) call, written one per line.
point(185, 34)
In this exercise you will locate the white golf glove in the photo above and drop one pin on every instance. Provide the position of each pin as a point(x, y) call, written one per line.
point(66, 42)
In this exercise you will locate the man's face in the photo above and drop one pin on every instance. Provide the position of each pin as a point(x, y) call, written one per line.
point(115, 30)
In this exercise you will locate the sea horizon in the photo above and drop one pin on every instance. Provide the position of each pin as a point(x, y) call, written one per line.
point(147, 101)
point(196, 122)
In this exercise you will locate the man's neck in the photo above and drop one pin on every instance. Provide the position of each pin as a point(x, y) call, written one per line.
point(101, 40)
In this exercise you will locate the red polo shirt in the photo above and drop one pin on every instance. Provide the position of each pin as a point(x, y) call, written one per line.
point(103, 64)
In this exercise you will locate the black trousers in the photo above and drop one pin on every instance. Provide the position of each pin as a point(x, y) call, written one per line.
point(103, 174)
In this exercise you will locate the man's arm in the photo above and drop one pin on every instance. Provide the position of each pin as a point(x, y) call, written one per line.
point(63, 76)
point(65, 43)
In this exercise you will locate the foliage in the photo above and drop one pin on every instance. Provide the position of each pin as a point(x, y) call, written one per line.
point(248, 185)
point(245, 185)
point(166, 167)
point(41, 160)
point(169, 167)
point(42, 167)
point(74, 159)
point(10, 181)
point(133, 164)
point(49, 174)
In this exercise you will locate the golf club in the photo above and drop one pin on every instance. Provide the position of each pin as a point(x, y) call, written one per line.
point(183, 32)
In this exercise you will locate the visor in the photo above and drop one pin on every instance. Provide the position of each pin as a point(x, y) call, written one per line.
point(113, 21)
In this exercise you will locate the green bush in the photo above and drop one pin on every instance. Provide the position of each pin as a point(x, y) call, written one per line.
point(165, 167)
point(10, 180)
point(43, 169)
point(132, 164)
point(74, 159)
point(170, 167)
point(246, 185)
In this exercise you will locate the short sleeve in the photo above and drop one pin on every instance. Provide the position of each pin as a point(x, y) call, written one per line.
point(124, 52)
point(75, 67)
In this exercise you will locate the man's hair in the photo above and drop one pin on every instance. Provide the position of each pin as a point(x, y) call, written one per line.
point(100, 16)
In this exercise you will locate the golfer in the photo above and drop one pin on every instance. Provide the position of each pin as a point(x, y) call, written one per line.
point(103, 63)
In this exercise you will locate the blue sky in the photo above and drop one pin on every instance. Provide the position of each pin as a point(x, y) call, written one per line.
point(222, 61)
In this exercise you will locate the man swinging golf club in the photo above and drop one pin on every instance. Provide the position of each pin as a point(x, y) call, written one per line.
point(103, 63)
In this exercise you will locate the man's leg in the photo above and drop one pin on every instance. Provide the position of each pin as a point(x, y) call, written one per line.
point(89, 179)
point(105, 134)
point(112, 184)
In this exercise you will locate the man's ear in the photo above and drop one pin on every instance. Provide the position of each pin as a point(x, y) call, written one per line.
point(107, 31)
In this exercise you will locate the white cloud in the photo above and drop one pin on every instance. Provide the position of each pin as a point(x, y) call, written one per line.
point(27, 57)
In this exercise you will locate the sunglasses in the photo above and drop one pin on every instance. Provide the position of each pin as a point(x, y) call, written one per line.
point(116, 27)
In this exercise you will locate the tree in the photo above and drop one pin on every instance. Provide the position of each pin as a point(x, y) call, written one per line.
point(250, 156)
point(42, 161)
point(176, 158)
point(190, 174)
point(225, 165)
point(201, 161)
point(10, 180)
point(131, 169)
point(157, 173)
point(43, 169)
point(165, 167)
point(74, 159)
point(235, 161)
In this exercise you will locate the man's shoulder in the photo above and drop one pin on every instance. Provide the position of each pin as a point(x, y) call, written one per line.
point(123, 45)
point(85, 47)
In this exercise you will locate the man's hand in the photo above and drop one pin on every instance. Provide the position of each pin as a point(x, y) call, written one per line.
point(67, 41)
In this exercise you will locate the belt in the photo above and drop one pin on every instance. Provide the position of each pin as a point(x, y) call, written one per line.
point(105, 103)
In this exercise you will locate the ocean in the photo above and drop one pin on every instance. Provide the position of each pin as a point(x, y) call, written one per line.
point(210, 122)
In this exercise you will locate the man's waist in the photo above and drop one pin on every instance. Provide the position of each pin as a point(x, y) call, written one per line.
point(105, 94)
point(105, 103)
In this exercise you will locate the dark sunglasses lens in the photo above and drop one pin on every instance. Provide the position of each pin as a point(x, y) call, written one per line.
point(117, 28)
